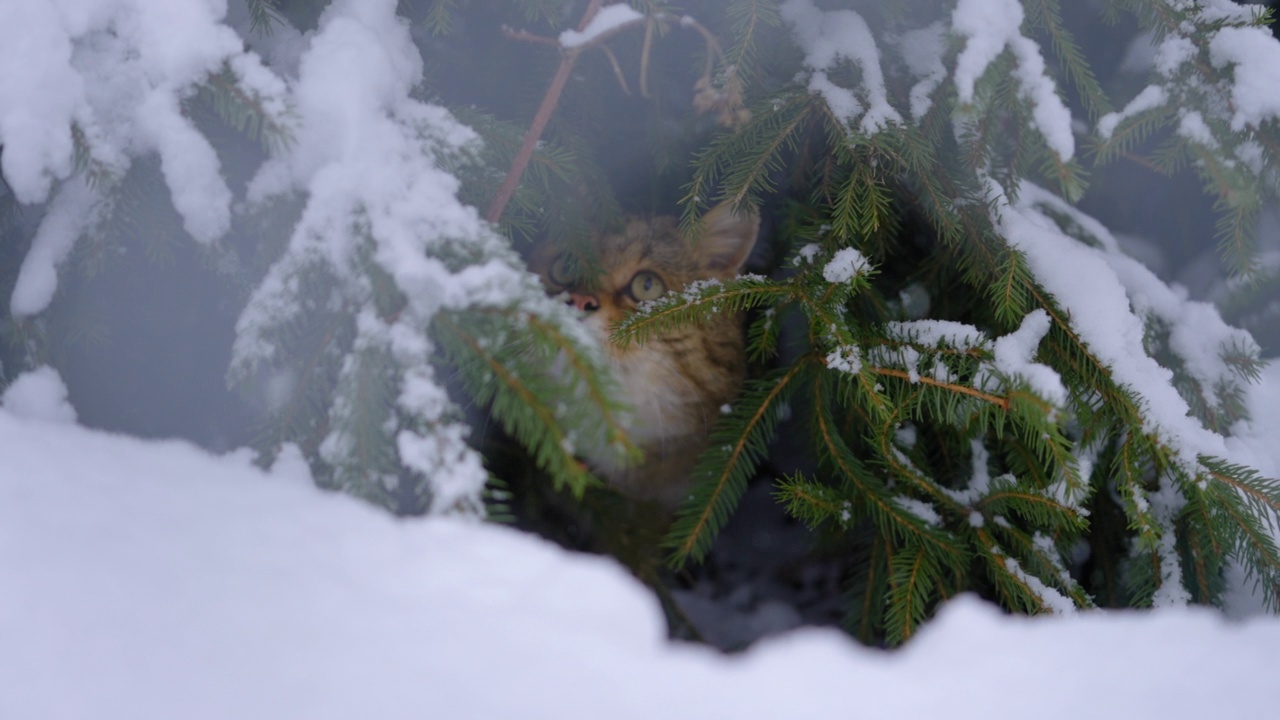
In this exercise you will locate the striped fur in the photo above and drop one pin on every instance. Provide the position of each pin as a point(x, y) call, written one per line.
point(675, 384)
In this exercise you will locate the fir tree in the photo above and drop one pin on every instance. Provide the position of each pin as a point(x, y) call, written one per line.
point(979, 419)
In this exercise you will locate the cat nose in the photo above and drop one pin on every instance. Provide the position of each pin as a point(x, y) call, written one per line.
point(584, 302)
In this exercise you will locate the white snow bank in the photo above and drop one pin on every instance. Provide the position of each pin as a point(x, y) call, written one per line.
point(151, 580)
point(39, 395)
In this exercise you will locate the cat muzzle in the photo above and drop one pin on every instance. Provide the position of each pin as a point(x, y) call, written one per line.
point(584, 302)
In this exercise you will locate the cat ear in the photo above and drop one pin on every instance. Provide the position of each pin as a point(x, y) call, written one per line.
point(726, 239)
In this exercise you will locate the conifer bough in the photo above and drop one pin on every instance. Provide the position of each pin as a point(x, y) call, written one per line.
point(997, 398)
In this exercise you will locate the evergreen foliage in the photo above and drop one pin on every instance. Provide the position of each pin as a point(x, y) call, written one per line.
point(973, 477)
point(969, 430)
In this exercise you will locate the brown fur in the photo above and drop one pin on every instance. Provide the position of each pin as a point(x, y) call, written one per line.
point(675, 383)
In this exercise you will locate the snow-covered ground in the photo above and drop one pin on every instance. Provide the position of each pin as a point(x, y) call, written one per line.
point(148, 579)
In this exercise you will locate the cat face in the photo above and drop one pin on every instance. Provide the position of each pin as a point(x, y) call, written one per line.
point(674, 383)
point(647, 259)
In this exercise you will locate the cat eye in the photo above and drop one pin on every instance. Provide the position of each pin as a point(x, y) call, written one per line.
point(561, 272)
point(646, 285)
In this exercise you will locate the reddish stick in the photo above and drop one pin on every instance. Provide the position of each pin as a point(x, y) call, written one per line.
point(549, 102)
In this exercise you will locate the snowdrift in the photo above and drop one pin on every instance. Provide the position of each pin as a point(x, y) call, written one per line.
point(150, 579)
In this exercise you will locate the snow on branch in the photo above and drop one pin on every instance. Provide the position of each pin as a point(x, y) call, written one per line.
point(609, 19)
point(1153, 96)
point(991, 26)
point(369, 159)
point(828, 37)
point(68, 214)
point(1108, 312)
point(1255, 55)
point(103, 84)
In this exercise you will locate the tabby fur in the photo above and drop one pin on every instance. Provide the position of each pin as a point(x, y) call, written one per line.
point(676, 383)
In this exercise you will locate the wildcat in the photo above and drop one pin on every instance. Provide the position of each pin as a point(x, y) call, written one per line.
point(675, 383)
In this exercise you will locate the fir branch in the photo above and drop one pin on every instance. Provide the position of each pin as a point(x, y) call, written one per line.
point(697, 304)
point(997, 400)
point(737, 445)
point(246, 112)
point(912, 589)
point(1008, 291)
point(814, 504)
point(1130, 470)
point(540, 120)
point(763, 335)
point(869, 491)
point(867, 587)
point(439, 16)
point(519, 406)
point(591, 373)
point(750, 18)
point(1235, 229)
point(1130, 132)
point(862, 205)
point(745, 160)
point(1037, 508)
point(1204, 547)
point(264, 16)
point(97, 175)
point(1260, 492)
point(1047, 15)
point(1250, 542)
point(1015, 588)
point(363, 460)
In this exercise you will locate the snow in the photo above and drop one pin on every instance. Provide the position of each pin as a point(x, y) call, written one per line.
point(1172, 53)
point(846, 359)
point(1103, 315)
point(922, 50)
point(117, 71)
point(190, 166)
point(36, 107)
point(67, 216)
point(807, 253)
point(1192, 126)
point(607, 20)
point(920, 509)
point(1167, 504)
point(827, 37)
point(1014, 353)
point(990, 26)
point(150, 580)
point(1256, 57)
point(39, 395)
point(935, 332)
point(1055, 601)
point(845, 265)
point(1245, 12)
point(1152, 96)
point(979, 484)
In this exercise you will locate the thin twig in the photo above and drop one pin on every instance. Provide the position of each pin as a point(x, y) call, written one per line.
point(540, 120)
point(567, 60)
point(617, 69)
point(527, 36)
